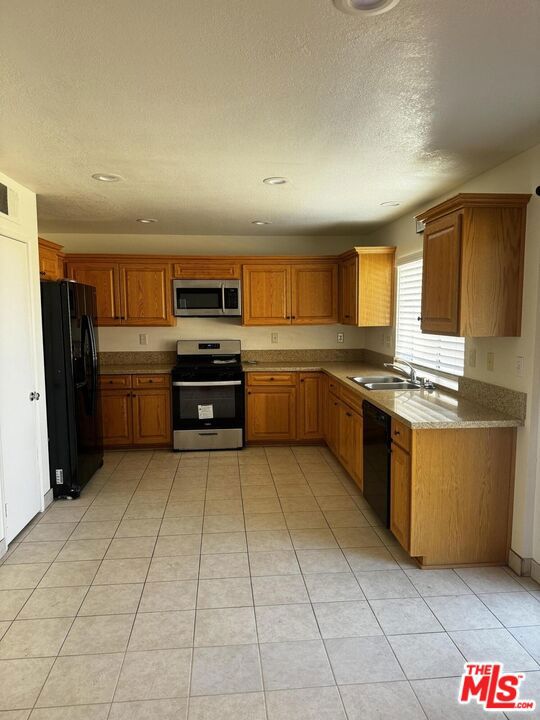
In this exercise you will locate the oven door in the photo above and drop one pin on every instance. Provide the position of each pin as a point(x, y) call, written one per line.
point(208, 404)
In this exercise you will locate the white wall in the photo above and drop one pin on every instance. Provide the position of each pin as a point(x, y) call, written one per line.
point(203, 244)
point(22, 225)
point(521, 174)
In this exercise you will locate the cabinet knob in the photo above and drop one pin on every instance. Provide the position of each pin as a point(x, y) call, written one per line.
point(42, 272)
point(419, 318)
point(347, 316)
point(110, 382)
point(348, 414)
point(150, 381)
point(249, 392)
point(271, 378)
point(294, 317)
point(396, 432)
point(301, 379)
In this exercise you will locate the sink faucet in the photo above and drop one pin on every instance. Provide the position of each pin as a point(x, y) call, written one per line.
point(412, 372)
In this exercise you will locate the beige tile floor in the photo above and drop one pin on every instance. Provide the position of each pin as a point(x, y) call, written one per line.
point(243, 586)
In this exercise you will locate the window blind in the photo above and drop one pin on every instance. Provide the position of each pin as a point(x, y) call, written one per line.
point(439, 352)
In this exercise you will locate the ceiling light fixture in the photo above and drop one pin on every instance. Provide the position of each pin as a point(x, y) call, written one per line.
point(275, 181)
point(365, 7)
point(390, 203)
point(106, 177)
point(146, 221)
point(261, 222)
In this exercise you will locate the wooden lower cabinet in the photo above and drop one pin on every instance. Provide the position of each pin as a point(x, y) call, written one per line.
point(271, 413)
point(451, 495)
point(135, 417)
point(349, 441)
point(400, 496)
point(285, 407)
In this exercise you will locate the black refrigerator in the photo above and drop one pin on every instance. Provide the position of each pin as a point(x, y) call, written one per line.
point(71, 383)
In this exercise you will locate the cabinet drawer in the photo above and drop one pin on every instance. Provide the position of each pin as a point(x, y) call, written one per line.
point(279, 378)
point(150, 381)
point(401, 435)
point(349, 396)
point(114, 382)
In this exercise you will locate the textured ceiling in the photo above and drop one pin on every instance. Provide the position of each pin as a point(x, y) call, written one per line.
point(194, 102)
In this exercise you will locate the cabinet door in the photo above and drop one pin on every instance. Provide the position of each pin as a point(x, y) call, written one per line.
point(310, 415)
point(345, 438)
point(116, 418)
point(48, 264)
point(332, 427)
point(271, 413)
point(266, 295)
point(348, 291)
point(400, 496)
point(314, 293)
point(152, 417)
point(441, 275)
point(146, 294)
point(356, 461)
point(104, 277)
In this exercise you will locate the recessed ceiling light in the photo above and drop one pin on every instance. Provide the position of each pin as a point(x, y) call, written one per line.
point(261, 222)
point(146, 221)
point(106, 177)
point(365, 7)
point(390, 203)
point(275, 181)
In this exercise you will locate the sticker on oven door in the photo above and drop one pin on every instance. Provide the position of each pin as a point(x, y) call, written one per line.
point(206, 412)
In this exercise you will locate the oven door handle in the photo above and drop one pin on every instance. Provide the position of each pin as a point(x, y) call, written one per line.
point(223, 297)
point(207, 384)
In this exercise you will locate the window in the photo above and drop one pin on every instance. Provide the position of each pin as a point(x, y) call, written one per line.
point(440, 352)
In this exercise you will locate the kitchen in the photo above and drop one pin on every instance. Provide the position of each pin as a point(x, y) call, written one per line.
point(319, 442)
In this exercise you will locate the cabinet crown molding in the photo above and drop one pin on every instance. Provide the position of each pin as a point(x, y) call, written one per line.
point(474, 200)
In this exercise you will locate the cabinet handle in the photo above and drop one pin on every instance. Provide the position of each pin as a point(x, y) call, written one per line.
point(110, 382)
point(294, 317)
point(117, 317)
point(419, 318)
point(150, 381)
point(347, 316)
point(122, 317)
point(396, 432)
point(301, 379)
point(348, 414)
point(249, 392)
point(42, 272)
point(271, 378)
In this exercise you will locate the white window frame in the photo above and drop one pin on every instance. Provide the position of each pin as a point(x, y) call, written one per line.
point(434, 370)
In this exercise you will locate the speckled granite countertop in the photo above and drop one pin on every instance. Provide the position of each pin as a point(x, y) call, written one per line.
point(419, 409)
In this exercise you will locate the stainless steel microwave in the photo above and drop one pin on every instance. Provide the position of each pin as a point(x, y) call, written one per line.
point(207, 298)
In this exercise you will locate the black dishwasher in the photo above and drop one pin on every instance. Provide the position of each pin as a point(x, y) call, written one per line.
point(377, 461)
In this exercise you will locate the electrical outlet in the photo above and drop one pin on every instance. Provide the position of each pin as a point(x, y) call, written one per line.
point(490, 363)
point(472, 357)
point(520, 365)
point(143, 339)
point(340, 337)
point(274, 337)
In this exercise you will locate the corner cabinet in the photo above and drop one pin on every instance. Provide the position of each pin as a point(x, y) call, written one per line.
point(473, 265)
point(136, 411)
point(290, 293)
point(127, 293)
point(366, 276)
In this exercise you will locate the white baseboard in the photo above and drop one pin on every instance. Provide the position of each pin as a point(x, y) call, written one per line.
point(535, 571)
point(3, 547)
point(48, 498)
point(521, 566)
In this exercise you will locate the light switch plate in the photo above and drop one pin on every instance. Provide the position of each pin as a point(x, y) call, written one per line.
point(520, 365)
point(490, 363)
point(340, 337)
point(143, 339)
point(274, 337)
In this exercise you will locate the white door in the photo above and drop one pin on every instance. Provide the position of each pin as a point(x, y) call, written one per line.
point(18, 414)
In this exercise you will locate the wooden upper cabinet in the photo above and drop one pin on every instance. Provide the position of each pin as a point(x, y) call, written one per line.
point(146, 294)
point(367, 286)
point(50, 260)
point(105, 278)
point(266, 295)
point(128, 293)
point(206, 269)
point(440, 281)
point(473, 265)
point(314, 294)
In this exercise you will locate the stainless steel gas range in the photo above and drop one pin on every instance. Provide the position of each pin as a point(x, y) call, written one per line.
point(208, 395)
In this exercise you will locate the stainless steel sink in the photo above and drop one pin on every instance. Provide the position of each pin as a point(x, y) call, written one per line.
point(376, 379)
point(385, 382)
point(401, 385)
